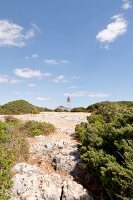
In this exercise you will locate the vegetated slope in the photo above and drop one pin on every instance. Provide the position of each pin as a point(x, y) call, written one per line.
point(19, 107)
point(79, 109)
point(107, 147)
point(98, 106)
point(61, 109)
point(14, 147)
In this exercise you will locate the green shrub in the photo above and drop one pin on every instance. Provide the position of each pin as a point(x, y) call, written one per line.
point(34, 128)
point(79, 109)
point(19, 107)
point(13, 148)
point(12, 120)
point(107, 148)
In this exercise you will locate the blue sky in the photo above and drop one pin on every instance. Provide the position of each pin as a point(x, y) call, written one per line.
point(50, 49)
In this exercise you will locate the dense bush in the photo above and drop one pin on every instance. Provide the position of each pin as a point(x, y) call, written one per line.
point(106, 104)
point(107, 148)
point(79, 109)
point(19, 107)
point(14, 147)
point(34, 128)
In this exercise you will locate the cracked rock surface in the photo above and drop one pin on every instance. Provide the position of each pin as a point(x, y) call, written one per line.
point(53, 164)
point(31, 183)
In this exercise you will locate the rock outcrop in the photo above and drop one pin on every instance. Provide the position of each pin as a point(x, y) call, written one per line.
point(54, 163)
point(30, 183)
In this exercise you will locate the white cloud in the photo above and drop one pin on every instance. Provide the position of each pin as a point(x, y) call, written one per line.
point(126, 4)
point(75, 77)
point(87, 94)
point(13, 81)
point(96, 94)
point(46, 74)
point(73, 86)
point(27, 57)
point(4, 79)
point(51, 62)
point(43, 98)
point(7, 79)
point(64, 62)
point(76, 94)
point(34, 56)
point(32, 85)
point(113, 30)
point(59, 78)
point(55, 62)
point(12, 34)
point(30, 73)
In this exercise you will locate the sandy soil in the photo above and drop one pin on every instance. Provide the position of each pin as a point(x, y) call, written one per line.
point(64, 122)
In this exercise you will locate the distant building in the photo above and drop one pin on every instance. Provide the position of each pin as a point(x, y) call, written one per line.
point(68, 103)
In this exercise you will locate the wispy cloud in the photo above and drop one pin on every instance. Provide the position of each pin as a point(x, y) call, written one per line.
point(59, 78)
point(126, 4)
point(75, 77)
point(56, 62)
point(73, 86)
point(87, 94)
point(34, 56)
point(7, 79)
point(113, 30)
point(30, 73)
point(43, 98)
point(32, 85)
point(12, 34)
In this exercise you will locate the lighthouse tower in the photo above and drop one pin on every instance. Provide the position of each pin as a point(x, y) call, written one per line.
point(68, 103)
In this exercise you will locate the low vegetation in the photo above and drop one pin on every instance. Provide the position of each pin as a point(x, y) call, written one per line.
point(21, 107)
point(18, 107)
point(79, 109)
point(107, 147)
point(14, 147)
point(34, 128)
point(98, 106)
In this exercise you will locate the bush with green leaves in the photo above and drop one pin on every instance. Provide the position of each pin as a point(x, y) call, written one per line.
point(14, 147)
point(107, 148)
point(19, 107)
point(35, 128)
point(78, 109)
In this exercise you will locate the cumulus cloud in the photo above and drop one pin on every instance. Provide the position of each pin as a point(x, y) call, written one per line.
point(126, 4)
point(113, 30)
point(87, 94)
point(30, 73)
point(7, 79)
point(60, 78)
point(43, 98)
point(55, 62)
point(12, 34)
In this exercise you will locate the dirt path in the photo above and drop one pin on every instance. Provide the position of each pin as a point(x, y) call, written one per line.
point(54, 162)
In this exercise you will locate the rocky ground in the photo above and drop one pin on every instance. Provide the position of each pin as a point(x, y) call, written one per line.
point(54, 164)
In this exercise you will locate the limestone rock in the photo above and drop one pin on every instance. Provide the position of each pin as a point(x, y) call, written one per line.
point(30, 183)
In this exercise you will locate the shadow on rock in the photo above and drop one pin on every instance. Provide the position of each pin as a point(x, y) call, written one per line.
point(86, 178)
